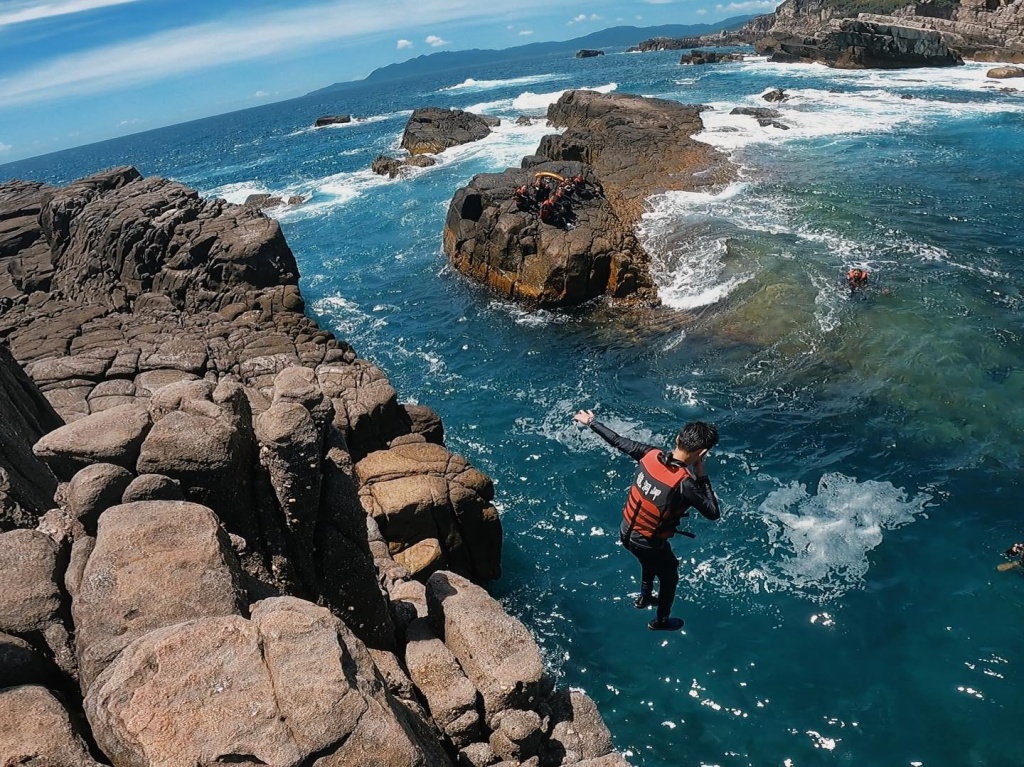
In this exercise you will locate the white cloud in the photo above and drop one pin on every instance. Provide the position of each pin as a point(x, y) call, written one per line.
point(20, 12)
point(133, 121)
point(403, 43)
point(584, 17)
point(4, 147)
point(260, 94)
point(525, 32)
point(701, 11)
point(230, 40)
point(749, 6)
point(435, 41)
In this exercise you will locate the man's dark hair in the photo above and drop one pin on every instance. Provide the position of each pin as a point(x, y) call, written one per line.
point(697, 435)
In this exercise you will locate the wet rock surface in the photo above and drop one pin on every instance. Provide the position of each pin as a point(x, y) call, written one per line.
point(432, 129)
point(197, 571)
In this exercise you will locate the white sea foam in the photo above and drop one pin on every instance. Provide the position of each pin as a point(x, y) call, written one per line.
point(857, 103)
point(353, 123)
point(687, 270)
point(237, 192)
point(469, 84)
point(819, 542)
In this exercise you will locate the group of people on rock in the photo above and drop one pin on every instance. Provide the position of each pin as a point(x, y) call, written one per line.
point(551, 196)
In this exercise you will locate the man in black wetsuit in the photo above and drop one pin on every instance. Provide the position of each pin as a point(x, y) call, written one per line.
point(665, 487)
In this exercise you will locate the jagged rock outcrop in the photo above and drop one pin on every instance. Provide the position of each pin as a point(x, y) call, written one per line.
point(588, 53)
point(393, 167)
point(26, 484)
point(432, 129)
point(618, 149)
point(664, 44)
point(855, 44)
point(978, 29)
point(264, 201)
point(224, 465)
point(699, 58)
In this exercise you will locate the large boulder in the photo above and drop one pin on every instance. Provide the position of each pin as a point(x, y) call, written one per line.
point(366, 408)
point(204, 440)
point(154, 564)
point(31, 602)
point(1000, 73)
point(112, 436)
point(420, 491)
point(30, 598)
point(433, 129)
point(490, 238)
point(578, 731)
point(93, 490)
point(36, 730)
point(290, 686)
point(496, 651)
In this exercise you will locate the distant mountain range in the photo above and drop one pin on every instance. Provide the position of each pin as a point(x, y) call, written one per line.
point(606, 38)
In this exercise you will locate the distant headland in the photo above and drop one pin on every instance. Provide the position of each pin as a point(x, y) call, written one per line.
point(606, 38)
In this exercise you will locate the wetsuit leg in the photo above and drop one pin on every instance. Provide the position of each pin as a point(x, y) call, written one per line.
point(658, 562)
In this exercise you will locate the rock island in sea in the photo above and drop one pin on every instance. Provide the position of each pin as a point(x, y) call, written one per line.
point(225, 539)
point(623, 149)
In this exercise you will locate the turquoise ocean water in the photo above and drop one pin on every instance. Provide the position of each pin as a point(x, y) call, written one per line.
point(846, 609)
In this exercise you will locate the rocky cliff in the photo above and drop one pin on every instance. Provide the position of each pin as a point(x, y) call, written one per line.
point(988, 30)
point(616, 151)
point(226, 539)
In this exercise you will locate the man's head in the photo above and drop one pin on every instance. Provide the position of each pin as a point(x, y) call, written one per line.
point(697, 436)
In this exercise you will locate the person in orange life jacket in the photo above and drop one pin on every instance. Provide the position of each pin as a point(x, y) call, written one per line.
point(666, 486)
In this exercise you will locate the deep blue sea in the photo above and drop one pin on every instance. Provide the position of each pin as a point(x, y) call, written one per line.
point(847, 608)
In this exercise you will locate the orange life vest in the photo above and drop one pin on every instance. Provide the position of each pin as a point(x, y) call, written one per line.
point(653, 497)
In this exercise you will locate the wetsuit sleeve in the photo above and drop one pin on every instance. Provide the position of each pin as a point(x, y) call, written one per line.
point(635, 450)
point(698, 493)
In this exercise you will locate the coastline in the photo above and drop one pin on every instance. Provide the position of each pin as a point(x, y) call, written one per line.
point(209, 418)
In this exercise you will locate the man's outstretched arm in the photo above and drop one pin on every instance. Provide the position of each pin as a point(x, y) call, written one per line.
point(635, 450)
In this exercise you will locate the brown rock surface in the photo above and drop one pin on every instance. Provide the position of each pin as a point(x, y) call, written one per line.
point(420, 491)
point(35, 730)
point(432, 129)
point(155, 564)
point(288, 684)
point(450, 696)
point(112, 436)
point(495, 650)
point(625, 149)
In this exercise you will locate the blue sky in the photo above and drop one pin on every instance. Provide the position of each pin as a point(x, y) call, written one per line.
point(77, 71)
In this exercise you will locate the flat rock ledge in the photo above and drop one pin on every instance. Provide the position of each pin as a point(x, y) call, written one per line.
point(222, 537)
point(620, 149)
